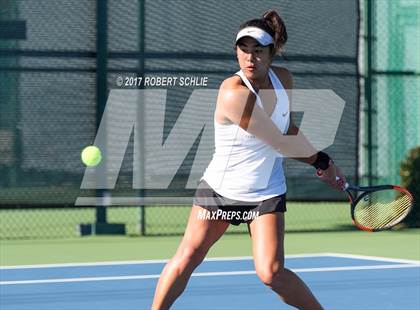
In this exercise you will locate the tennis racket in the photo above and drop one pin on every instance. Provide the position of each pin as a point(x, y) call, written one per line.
point(376, 208)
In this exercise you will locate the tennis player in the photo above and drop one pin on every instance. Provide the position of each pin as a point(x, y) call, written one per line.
point(252, 124)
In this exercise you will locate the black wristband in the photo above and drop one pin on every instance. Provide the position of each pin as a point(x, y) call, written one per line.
point(322, 161)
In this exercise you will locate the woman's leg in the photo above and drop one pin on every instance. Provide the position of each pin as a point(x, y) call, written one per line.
point(199, 236)
point(267, 233)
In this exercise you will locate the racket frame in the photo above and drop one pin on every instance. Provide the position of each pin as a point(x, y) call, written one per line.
point(354, 199)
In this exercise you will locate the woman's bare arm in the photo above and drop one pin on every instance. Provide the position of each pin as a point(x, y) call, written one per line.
point(238, 104)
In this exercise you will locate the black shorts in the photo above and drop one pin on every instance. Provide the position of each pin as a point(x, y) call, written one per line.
point(235, 211)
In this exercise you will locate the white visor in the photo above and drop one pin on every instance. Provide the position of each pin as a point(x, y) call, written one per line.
point(258, 34)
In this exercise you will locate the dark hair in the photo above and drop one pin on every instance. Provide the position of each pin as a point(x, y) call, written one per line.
point(272, 23)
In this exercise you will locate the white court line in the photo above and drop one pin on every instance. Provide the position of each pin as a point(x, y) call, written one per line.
point(203, 274)
point(150, 261)
point(377, 258)
point(210, 259)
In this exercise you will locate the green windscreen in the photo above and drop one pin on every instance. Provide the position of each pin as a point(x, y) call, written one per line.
point(49, 106)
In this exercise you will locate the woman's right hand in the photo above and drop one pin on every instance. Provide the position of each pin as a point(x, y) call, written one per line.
point(330, 176)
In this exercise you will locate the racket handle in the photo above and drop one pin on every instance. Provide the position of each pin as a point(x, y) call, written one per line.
point(319, 173)
point(346, 186)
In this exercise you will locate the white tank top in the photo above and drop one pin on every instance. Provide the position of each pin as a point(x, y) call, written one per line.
point(243, 167)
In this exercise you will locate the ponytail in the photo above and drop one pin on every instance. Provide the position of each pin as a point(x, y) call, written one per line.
point(276, 24)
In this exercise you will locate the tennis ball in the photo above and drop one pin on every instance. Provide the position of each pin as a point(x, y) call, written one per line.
point(91, 156)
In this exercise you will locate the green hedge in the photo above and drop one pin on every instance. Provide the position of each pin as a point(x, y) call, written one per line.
point(410, 176)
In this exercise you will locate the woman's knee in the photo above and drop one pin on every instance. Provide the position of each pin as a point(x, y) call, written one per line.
point(190, 256)
point(271, 274)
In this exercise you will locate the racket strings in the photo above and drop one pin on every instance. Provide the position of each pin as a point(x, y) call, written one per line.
point(382, 209)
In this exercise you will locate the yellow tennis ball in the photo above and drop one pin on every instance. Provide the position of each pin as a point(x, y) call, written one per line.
point(91, 156)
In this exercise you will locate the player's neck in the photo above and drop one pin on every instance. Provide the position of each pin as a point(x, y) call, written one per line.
point(261, 83)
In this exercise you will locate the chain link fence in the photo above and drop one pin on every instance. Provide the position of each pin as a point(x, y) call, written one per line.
point(46, 223)
point(59, 60)
point(391, 66)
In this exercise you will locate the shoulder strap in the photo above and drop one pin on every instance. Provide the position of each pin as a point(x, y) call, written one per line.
point(275, 80)
point(248, 84)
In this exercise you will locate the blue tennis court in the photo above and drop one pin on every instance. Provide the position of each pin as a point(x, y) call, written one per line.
point(340, 281)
